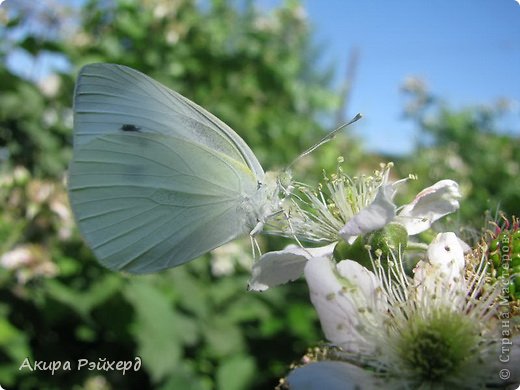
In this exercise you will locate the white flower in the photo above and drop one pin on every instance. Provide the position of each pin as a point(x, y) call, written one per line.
point(353, 207)
point(435, 331)
point(428, 206)
point(50, 86)
point(229, 257)
point(29, 261)
point(16, 258)
point(319, 214)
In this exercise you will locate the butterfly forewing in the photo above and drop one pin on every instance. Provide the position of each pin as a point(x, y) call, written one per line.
point(109, 96)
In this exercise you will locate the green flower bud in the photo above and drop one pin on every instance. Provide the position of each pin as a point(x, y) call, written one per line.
point(356, 251)
point(494, 245)
point(495, 258)
point(388, 240)
point(382, 243)
point(515, 261)
point(504, 257)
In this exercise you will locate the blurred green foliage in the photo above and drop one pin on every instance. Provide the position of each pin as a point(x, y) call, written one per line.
point(194, 327)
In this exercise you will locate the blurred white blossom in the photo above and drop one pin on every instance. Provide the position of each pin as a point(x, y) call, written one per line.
point(50, 85)
point(227, 258)
point(29, 261)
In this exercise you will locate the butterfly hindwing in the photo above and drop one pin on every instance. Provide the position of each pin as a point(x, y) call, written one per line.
point(146, 201)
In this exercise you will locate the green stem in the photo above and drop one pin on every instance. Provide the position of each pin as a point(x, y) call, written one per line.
point(416, 246)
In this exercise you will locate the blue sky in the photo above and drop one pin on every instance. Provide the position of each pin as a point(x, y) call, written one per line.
point(467, 51)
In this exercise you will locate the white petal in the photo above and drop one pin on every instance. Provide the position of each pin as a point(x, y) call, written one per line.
point(321, 251)
point(278, 267)
point(331, 375)
point(429, 205)
point(339, 302)
point(446, 252)
point(375, 216)
point(442, 276)
point(465, 247)
point(370, 291)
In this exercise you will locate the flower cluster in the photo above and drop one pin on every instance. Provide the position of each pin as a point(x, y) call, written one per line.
point(397, 314)
point(32, 207)
point(345, 214)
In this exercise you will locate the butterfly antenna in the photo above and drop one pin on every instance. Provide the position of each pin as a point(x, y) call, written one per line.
point(324, 140)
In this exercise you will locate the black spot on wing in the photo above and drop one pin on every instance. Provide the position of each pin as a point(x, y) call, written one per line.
point(129, 127)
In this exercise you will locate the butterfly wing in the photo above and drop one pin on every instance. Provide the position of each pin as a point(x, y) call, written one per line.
point(110, 98)
point(147, 201)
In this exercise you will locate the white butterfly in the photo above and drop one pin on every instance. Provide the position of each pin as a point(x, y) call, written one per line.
point(156, 180)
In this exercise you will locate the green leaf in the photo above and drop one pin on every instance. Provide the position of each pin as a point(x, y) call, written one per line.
point(192, 295)
point(13, 341)
point(84, 301)
point(236, 373)
point(223, 337)
point(301, 318)
point(157, 328)
point(185, 377)
point(247, 308)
